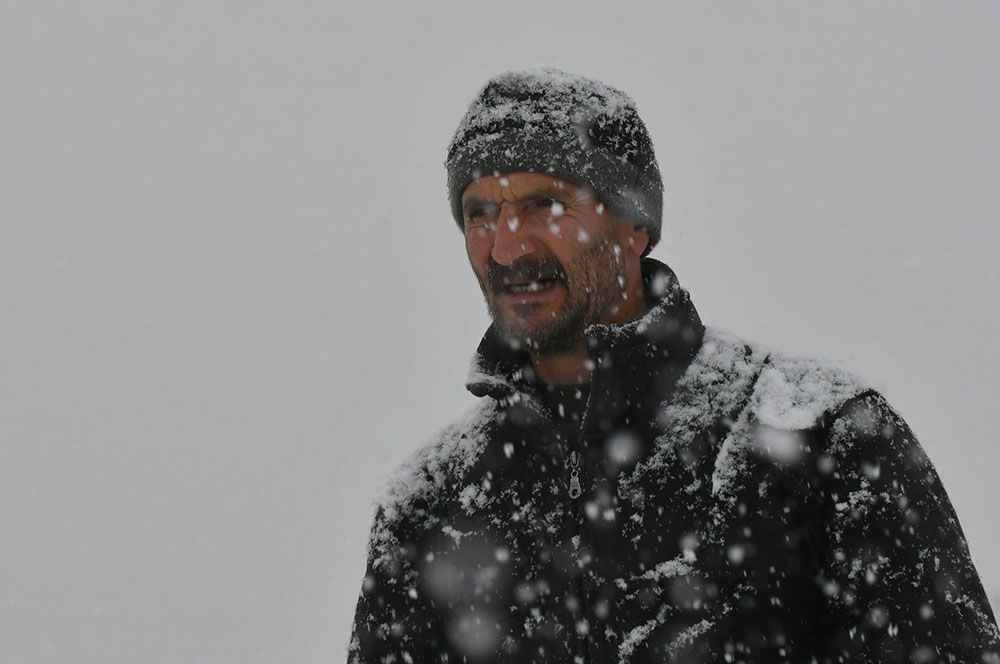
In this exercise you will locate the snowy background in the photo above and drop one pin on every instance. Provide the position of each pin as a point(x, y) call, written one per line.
point(233, 297)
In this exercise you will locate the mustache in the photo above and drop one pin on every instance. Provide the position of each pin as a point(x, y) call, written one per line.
point(524, 270)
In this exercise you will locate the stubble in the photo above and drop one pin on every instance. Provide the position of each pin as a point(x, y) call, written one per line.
point(593, 284)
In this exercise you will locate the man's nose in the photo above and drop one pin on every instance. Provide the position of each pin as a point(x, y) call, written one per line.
point(512, 239)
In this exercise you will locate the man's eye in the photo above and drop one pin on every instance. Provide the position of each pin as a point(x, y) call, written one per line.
point(480, 214)
point(548, 206)
point(540, 203)
point(477, 219)
point(481, 224)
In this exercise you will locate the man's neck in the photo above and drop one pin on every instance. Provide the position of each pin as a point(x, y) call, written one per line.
point(570, 368)
point(574, 367)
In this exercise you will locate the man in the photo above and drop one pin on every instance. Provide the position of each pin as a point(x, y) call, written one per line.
point(633, 486)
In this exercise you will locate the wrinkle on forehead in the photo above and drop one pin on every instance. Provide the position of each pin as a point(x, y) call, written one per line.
point(521, 188)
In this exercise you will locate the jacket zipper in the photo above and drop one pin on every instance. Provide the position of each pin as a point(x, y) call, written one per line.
point(575, 491)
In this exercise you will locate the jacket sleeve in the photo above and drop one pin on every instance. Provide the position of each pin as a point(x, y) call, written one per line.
point(393, 622)
point(896, 566)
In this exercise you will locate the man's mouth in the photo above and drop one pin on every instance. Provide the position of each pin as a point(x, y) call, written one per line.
point(532, 286)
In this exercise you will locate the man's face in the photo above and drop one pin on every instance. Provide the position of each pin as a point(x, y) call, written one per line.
point(549, 258)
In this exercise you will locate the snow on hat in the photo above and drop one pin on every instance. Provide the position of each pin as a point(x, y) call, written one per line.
point(578, 129)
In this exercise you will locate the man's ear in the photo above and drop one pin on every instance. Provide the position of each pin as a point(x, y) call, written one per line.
point(637, 239)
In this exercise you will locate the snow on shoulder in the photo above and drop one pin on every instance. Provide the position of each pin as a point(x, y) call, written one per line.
point(433, 468)
point(765, 398)
point(790, 395)
point(793, 392)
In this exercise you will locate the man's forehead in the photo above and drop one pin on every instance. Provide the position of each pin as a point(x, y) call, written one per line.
point(508, 185)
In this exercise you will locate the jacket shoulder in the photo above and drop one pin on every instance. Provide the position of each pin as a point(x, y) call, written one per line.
point(794, 392)
point(787, 393)
point(431, 472)
point(778, 389)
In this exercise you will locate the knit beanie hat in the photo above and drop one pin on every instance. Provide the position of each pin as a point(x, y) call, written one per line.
point(548, 121)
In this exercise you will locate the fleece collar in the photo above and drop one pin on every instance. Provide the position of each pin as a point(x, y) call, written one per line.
point(633, 362)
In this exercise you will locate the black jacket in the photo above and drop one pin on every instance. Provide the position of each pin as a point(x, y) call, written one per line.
point(736, 505)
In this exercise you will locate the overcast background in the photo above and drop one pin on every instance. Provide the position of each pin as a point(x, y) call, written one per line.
point(233, 297)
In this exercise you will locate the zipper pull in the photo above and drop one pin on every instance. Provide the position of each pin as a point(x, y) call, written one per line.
point(574, 475)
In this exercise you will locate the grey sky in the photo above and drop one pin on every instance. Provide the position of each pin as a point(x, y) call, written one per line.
point(234, 299)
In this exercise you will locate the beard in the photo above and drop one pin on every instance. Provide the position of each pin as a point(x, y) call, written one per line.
point(591, 283)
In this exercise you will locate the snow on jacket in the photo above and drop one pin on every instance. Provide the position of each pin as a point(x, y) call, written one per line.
point(737, 505)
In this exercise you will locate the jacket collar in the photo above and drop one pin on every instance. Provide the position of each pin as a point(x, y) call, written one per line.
point(633, 362)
